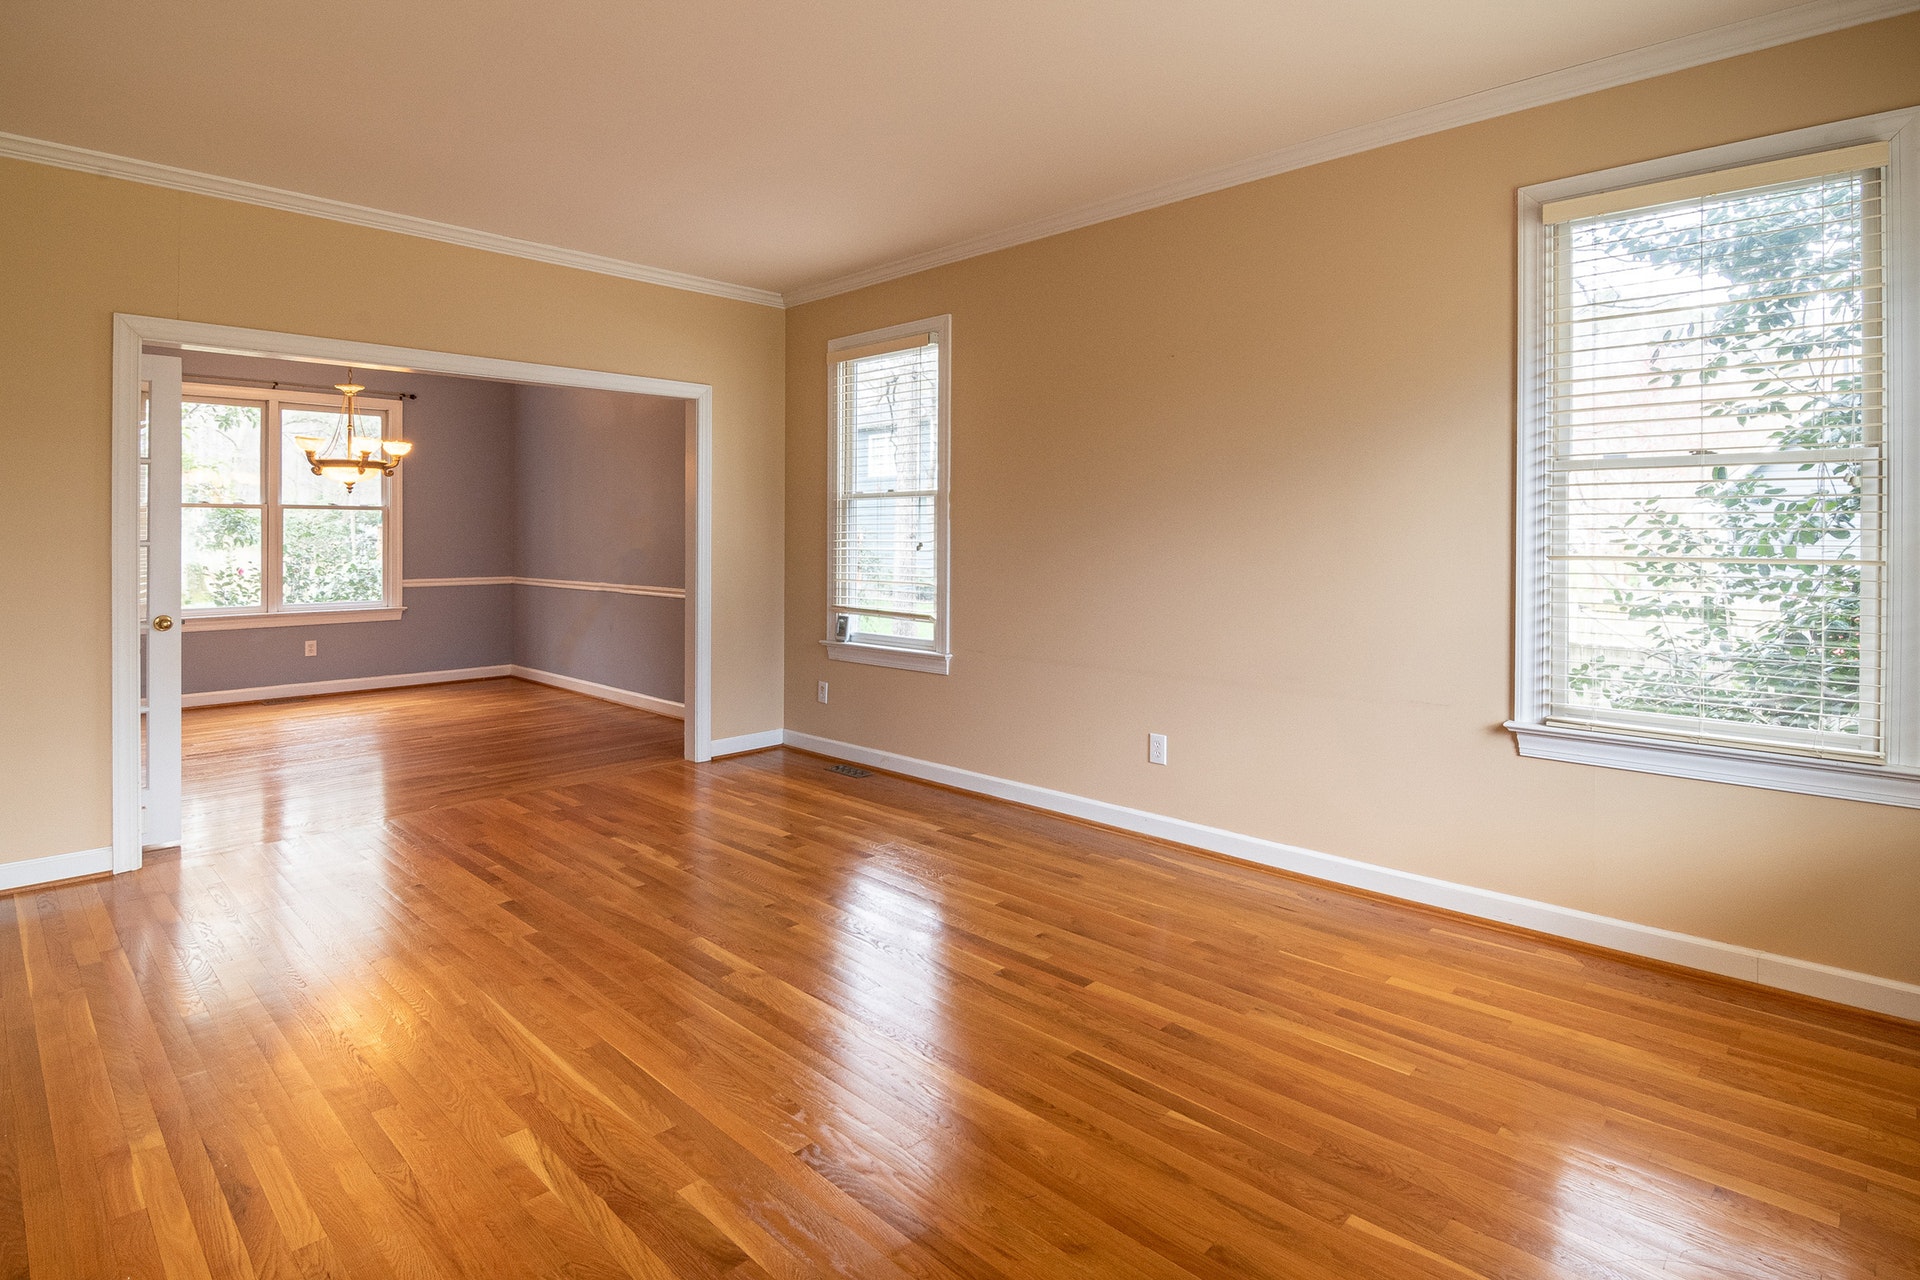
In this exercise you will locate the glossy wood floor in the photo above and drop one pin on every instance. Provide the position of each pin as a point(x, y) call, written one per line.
point(483, 981)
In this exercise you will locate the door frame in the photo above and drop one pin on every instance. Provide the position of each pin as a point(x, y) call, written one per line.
point(132, 332)
point(160, 792)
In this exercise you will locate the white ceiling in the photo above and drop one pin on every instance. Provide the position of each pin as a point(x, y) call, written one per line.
point(767, 143)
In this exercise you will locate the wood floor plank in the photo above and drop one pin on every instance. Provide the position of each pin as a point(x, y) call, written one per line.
point(484, 981)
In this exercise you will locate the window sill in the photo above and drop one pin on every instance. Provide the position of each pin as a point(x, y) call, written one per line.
point(1841, 779)
point(315, 617)
point(875, 655)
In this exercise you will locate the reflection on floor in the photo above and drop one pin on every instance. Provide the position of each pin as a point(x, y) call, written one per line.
point(484, 981)
point(266, 771)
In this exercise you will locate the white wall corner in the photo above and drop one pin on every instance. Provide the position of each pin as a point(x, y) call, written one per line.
point(1785, 973)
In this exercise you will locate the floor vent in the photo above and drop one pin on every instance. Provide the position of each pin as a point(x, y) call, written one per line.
point(848, 771)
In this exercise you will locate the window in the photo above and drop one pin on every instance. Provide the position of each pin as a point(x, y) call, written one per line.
point(887, 552)
point(264, 541)
point(1716, 468)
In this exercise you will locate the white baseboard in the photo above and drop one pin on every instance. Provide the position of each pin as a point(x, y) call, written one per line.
point(1842, 986)
point(313, 688)
point(59, 866)
point(749, 742)
point(604, 692)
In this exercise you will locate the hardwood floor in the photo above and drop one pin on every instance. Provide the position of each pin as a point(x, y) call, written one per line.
point(483, 980)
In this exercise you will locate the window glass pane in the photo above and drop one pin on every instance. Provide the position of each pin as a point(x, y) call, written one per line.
point(909, 630)
point(299, 486)
point(1716, 487)
point(219, 557)
point(890, 410)
point(333, 557)
point(219, 452)
point(885, 555)
point(1722, 593)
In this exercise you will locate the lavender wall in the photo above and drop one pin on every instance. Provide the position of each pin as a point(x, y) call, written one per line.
point(445, 629)
point(601, 497)
point(507, 481)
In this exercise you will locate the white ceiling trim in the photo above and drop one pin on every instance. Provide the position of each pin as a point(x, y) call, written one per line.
point(1798, 23)
point(60, 155)
point(1784, 27)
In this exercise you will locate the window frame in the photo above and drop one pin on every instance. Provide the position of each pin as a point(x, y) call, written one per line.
point(937, 656)
point(273, 611)
point(1896, 780)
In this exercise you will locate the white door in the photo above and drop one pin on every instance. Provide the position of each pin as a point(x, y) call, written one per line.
point(159, 579)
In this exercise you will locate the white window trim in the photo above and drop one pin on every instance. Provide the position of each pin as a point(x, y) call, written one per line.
point(1897, 781)
point(879, 655)
point(390, 609)
point(291, 618)
point(938, 658)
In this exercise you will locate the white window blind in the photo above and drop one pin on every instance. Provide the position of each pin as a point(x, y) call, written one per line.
point(1716, 488)
point(889, 492)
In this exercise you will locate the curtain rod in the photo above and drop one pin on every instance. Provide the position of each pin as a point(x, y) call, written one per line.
point(275, 384)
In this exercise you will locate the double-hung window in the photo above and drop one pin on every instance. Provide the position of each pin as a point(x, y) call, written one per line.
point(887, 549)
point(1717, 573)
point(263, 541)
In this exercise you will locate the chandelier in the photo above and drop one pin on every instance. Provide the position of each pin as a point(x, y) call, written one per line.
point(356, 459)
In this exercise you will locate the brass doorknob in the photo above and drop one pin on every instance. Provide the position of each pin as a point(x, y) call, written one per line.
point(163, 623)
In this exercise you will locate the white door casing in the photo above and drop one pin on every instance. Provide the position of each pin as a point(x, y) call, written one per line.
point(130, 332)
point(159, 586)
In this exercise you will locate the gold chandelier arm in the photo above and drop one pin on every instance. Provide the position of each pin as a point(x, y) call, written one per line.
point(360, 461)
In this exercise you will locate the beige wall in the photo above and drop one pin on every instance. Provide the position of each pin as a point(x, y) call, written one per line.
point(74, 249)
point(1240, 470)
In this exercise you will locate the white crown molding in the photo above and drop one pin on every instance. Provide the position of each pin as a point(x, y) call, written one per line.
point(1764, 32)
point(1804, 977)
point(60, 155)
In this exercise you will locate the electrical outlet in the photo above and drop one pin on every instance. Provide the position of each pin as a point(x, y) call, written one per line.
point(822, 695)
point(313, 648)
point(1156, 748)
